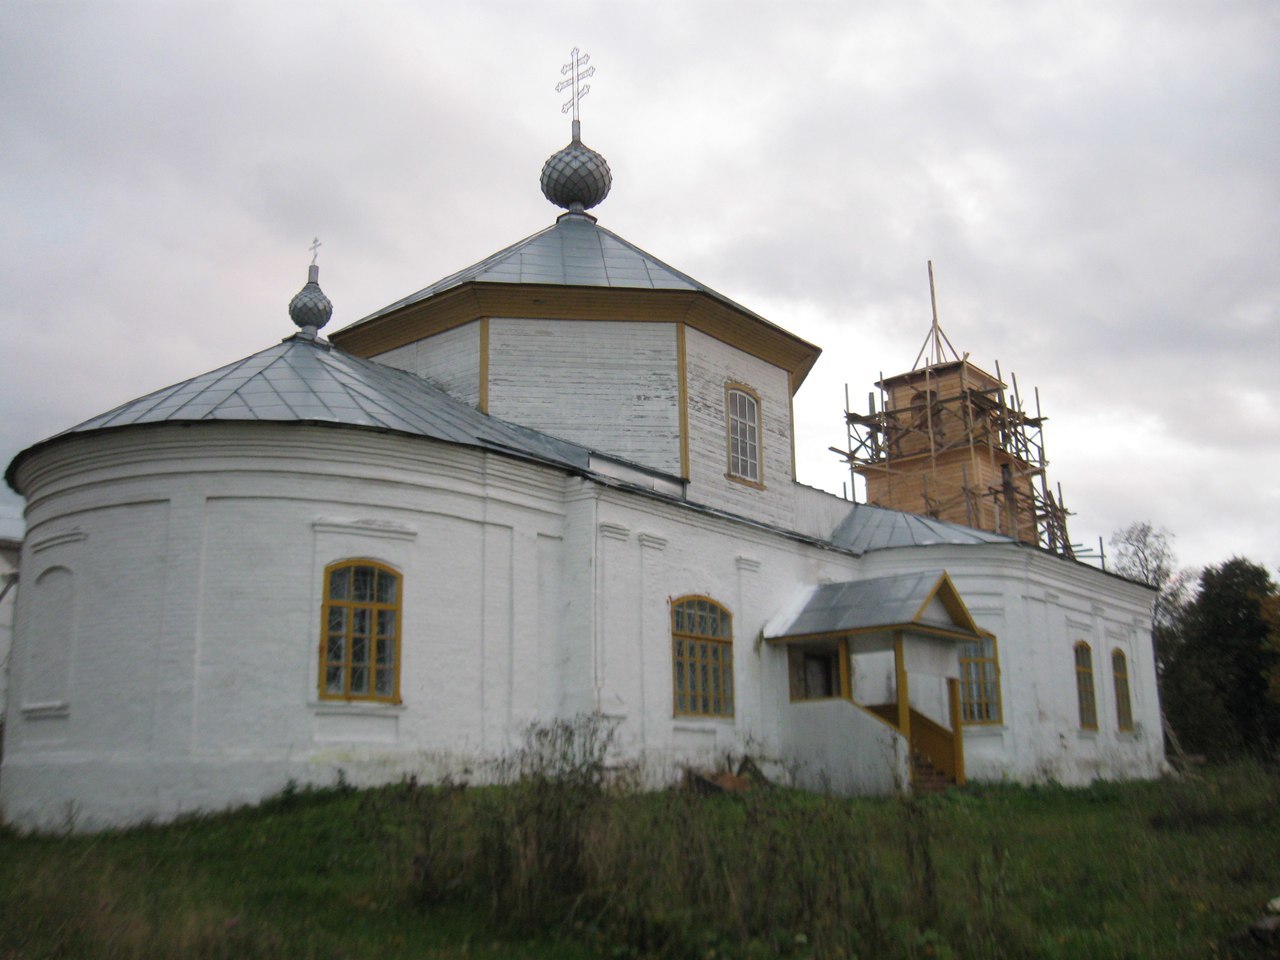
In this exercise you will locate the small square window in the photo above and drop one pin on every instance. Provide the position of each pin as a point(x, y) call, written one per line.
point(815, 672)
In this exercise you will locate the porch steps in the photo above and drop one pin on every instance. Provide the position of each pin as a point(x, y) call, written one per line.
point(926, 779)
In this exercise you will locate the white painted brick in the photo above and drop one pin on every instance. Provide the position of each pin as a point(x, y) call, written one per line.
point(527, 593)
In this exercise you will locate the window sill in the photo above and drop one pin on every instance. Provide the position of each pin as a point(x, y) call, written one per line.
point(44, 711)
point(753, 484)
point(696, 724)
point(983, 729)
point(359, 708)
point(1087, 734)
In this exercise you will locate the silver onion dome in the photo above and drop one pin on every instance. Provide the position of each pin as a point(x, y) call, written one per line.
point(310, 309)
point(576, 178)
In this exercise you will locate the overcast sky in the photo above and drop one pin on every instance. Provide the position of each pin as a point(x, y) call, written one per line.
point(1097, 183)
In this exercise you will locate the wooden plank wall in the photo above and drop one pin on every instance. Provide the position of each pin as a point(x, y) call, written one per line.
point(450, 360)
point(609, 385)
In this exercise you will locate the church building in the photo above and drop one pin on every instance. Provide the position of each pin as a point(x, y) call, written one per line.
point(558, 482)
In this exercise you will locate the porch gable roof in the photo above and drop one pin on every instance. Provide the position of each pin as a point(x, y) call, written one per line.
point(925, 602)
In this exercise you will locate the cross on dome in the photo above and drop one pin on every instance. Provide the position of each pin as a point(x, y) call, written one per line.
point(310, 309)
point(576, 75)
point(576, 178)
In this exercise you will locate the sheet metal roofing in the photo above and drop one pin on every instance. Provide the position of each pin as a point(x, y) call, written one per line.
point(875, 528)
point(310, 381)
point(574, 251)
point(854, 605)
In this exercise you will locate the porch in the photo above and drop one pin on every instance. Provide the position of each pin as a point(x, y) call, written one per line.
point(887, 652)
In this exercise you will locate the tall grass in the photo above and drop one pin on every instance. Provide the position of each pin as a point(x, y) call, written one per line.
point(567, 860)
point(999, 872)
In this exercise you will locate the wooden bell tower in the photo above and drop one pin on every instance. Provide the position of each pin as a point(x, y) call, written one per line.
point(950, 440)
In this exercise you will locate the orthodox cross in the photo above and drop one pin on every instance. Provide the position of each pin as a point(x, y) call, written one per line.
point(315, 249)
point(577, 73)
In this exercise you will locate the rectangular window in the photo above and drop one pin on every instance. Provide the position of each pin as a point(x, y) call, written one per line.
point(815, 672)
point(980, 681)
point(744, 434)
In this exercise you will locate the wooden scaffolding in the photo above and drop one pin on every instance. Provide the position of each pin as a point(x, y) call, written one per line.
point(951, 441)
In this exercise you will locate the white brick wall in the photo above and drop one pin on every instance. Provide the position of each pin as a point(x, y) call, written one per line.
point(9, 553)
point(198, 553)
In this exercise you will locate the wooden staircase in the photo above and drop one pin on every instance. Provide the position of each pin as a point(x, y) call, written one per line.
point(933, 751)
point(926, 779)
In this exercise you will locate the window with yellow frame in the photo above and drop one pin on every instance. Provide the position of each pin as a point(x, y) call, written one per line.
point(980, 681)
point(360, 643)
point(1120, 675)
point(743, 409)
point(1085, 699)
point(702, 657)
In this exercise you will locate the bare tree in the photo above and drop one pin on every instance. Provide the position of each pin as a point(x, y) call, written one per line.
point(1145, 553)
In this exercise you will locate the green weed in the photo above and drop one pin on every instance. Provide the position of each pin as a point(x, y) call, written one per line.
point(564, 862)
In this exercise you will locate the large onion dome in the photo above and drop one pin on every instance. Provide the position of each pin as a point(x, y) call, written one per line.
point(576, 178)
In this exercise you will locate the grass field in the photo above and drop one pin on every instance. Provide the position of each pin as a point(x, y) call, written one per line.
point(568, 868)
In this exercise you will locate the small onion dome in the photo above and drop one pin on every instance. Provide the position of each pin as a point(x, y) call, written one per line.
point(576, 178)
point(310, 309)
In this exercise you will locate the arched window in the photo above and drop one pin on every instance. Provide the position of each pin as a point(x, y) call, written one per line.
point(702, 657)
point(360, 645)
point(1084, 687)
point(1120, 672)
point(51, 639)
point(744, 434)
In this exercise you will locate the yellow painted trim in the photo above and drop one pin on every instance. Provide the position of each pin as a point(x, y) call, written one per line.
point(1084, 671)
point(731, 387)
point(374, 608)
point(683, 386)
point(957, 728)
point(688, 636)
point(945, 590)
point(924, 629)
point(903, 692)
point(484, 364)
point(1120, 681)
point(473, 300)
point(791, 413)
point(994, 659)
point(846, 675)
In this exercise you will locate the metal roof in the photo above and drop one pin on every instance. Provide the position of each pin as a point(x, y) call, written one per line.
point(574, 251)
point(875, 528)
point(304, 380)
point(833, 608)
